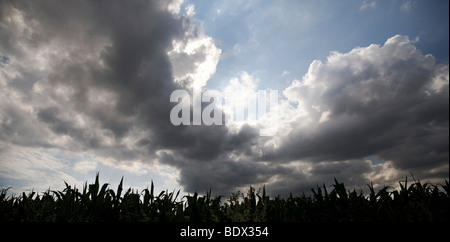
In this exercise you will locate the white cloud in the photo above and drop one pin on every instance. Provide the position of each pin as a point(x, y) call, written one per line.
point(237, 94)
point(368, 76)
point(324, 116)
point(38, 169)
point(174, 6)
point(367, 5)
point(406, 5)
point(441, 79)
point(85, 166)
point(194, 58)
point(190, 10)
point(383, 174)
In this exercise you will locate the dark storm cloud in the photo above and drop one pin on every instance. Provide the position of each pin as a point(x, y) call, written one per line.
point(224, 174)
point(61, 126)
point(102, 49)
point(353, 173)
point(217, 160)
point(99, 74)
point(212, 141)
point(18, 128)
point(102, 45)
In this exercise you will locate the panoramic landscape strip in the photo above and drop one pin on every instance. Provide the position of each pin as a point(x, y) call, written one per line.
point(413, 202)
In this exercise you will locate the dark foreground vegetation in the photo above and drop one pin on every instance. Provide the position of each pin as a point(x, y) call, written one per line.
point(414, 203)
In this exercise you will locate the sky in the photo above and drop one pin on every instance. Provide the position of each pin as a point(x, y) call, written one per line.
point(85, 87)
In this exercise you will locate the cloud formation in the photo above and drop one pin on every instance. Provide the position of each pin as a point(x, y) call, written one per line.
point(99, 73)
point(95, 77)
point(367, 5)
point(389, 100)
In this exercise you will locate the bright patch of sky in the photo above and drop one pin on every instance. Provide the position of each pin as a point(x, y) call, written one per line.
point(277, 40)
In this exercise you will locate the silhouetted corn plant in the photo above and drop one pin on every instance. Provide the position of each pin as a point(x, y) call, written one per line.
point(414, 202)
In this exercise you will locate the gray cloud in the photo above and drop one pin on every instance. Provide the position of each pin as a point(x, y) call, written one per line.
point(223, 175)
point(390, 100)
point(97, 77)
point(107, 67)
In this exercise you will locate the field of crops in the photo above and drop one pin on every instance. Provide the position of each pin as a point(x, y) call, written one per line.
point(412, 202)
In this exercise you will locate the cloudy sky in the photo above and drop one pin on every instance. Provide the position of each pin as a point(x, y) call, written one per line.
point(363, 93)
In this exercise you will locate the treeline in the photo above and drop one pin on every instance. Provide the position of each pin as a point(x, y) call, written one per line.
point(414, 203)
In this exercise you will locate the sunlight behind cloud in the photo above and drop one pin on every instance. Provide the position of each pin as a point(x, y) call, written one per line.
point(194, 59)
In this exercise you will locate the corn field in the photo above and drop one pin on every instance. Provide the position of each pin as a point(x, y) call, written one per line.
point(414, 203)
